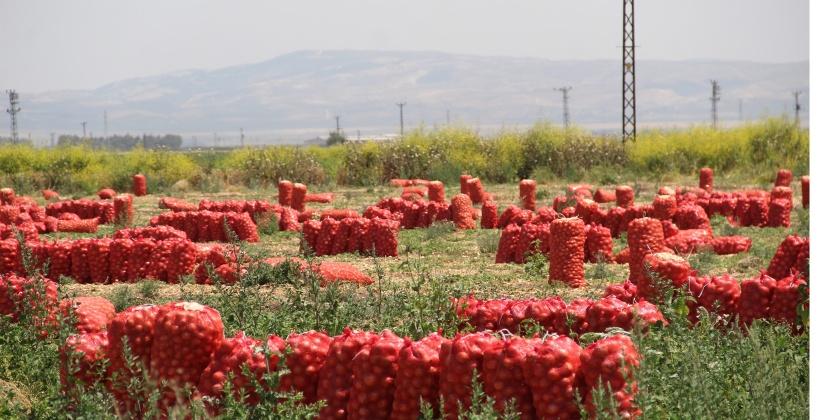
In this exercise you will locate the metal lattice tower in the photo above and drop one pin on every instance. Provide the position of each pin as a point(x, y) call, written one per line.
point(13, 110)
point(716, 96)
point(401, 105)
point(628, 127)
point(565, 107)
point(797, 107)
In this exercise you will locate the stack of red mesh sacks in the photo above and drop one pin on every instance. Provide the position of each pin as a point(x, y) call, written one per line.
point(352, 234)
point(85, 209)
point(358, 374)
point(411, 214)
point(207, 226)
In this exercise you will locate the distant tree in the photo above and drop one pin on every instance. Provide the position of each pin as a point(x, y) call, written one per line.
point(335, 138)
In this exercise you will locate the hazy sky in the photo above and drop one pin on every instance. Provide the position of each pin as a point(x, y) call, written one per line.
point(84, 44)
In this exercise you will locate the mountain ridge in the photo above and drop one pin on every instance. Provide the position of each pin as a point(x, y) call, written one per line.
point(296, 96)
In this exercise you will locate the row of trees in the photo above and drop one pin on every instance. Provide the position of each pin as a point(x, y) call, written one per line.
point(126, 142)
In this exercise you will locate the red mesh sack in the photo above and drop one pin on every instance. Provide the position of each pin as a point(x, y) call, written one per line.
point(626, 292)
point(669, 268)
point(727, 245)
point(382, 234)
point(689, 241)
point(357, 236)
point(299, 197)
point(464, 183)
point(436, 192)
point(140, 254)
point(123, 209)
point(784, 258)
point(802, 259)
point(610, 363)
point(506, 250)
point(514, 314)
point(285, 193)
point(783, 178)
point(341, 241)
point(461, 212)
point(644, 236)
point(567, 240)
point(604, 196)
point(527, 194)
point(374, 370)
point(336, 377)
point(106, 193)
point(418, 377)
point(489, 215)
point(525, 245)
point(230, 359)
point(323, 246)
point(585, 209)
point(92, 312)
point(99, 260)
point(319, 198)
point(140, 186)
point(576, 313)
point(664, 207)
point(84, 367)
point(338, 271)
point(706, 179)
point(785, 299)
point(185, 335)
point(475, 191)
point(553, 373)
point(305, 359)
point(624, 196)
point(78, 226)
point(598, 246)
point(550, 314)
point(310, 231)
point(133, 326)
point(59, 252)
point(779, 213)
point(804, 187)
point(459, 358)
point(603, 314)
point(504, 376)
point(755, 297)
point(80, 269)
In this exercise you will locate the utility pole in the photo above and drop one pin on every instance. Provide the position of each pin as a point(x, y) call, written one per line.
point(13, 110)
point(628, 126)
point(52, 140)
point(242, 136)
point(740, 110)
point(565, 108)
point(401, 105)
point(337, 124)
point(106, 125)
point(797, 107)
point(83, 128)
point(716, 96)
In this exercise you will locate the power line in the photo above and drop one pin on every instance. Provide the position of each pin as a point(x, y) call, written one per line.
point(565, 107)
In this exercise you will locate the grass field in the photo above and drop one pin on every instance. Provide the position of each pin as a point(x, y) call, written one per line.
point(694, 373)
